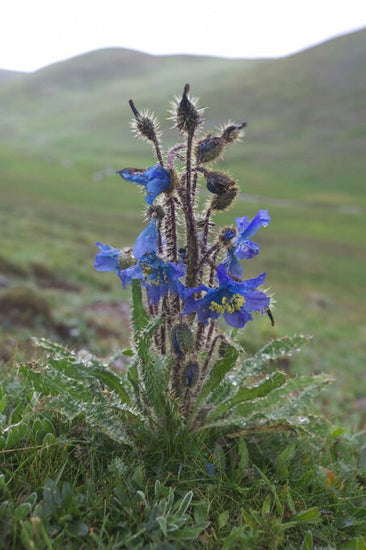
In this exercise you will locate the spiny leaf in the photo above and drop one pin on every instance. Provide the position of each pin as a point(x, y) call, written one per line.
point(274, 350)
point(272, 381)
point(220, 369)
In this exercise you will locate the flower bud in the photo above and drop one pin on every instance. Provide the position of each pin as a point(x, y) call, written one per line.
point(218, 183)
point(187, 114)
point(182, 339)
point(190, 375)
point(145, 124)
point(209, 149)
point(233, 132)
point(221, 202)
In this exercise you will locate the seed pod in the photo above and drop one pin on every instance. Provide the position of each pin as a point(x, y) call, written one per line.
point(218, 183)
point(190, 375)
point(182, 339)
point(209, 149)
point(221, 202)
point(187, 115)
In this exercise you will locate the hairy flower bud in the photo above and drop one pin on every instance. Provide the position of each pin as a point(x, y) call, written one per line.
point(218, 183)
point(182, 339)
point(187, 113)
point(233, 132)
point(190, 375)
point(221, 202)
point(209, 149)
point(145, 125)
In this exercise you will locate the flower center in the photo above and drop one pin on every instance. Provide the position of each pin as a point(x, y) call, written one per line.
point(235, 303)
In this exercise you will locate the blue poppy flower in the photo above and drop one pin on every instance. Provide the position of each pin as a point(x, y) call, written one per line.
point(156, 179)
point(242, 247)
point(147, 241)
point(107, 259)
point(235, 301)
point(158, 277)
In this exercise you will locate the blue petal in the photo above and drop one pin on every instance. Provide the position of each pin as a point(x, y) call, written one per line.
point(107, 258)
point(237, 319)
point(255, 300)
point(232, 264)
point(246, 230)
point(138, 177)
point(251, 284)
point(245, 249)
point(147, 241)
point(133, 272)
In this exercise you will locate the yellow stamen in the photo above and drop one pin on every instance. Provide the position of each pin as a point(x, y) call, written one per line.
point(234, 304)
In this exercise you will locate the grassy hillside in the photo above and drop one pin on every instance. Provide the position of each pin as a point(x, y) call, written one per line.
point(64, 130)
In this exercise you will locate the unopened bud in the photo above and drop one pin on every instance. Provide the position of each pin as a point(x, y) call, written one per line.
point(221, 202)
point(233, 132)
point(209, 149)
point(190, 375)
point(145, 125)
point(182, 339)
point(218, 183)
point(187, 115)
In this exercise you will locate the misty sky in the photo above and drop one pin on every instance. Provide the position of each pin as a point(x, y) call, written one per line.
point(39, 32)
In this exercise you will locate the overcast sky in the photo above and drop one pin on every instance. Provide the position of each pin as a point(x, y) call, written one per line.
point(35, 33)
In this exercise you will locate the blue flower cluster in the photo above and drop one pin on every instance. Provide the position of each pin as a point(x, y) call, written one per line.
point(232, 298)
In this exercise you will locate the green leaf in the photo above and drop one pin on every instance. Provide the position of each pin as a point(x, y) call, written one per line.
point(223, 518)
point(274, 350)
point(220, 369)
point(264, 387)
point(311, 515)
point(184, 504)
point(3, 401)
point(307, 543)
point(77, 529)
point(22, 511)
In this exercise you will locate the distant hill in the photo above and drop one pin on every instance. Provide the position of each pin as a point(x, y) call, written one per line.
point(6, 76)
point(305, 112)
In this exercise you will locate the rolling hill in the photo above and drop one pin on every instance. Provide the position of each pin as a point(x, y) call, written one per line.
point(305, 111)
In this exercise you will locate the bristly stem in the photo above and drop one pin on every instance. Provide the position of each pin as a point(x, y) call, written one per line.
point(171, 229)
point(191, 230)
